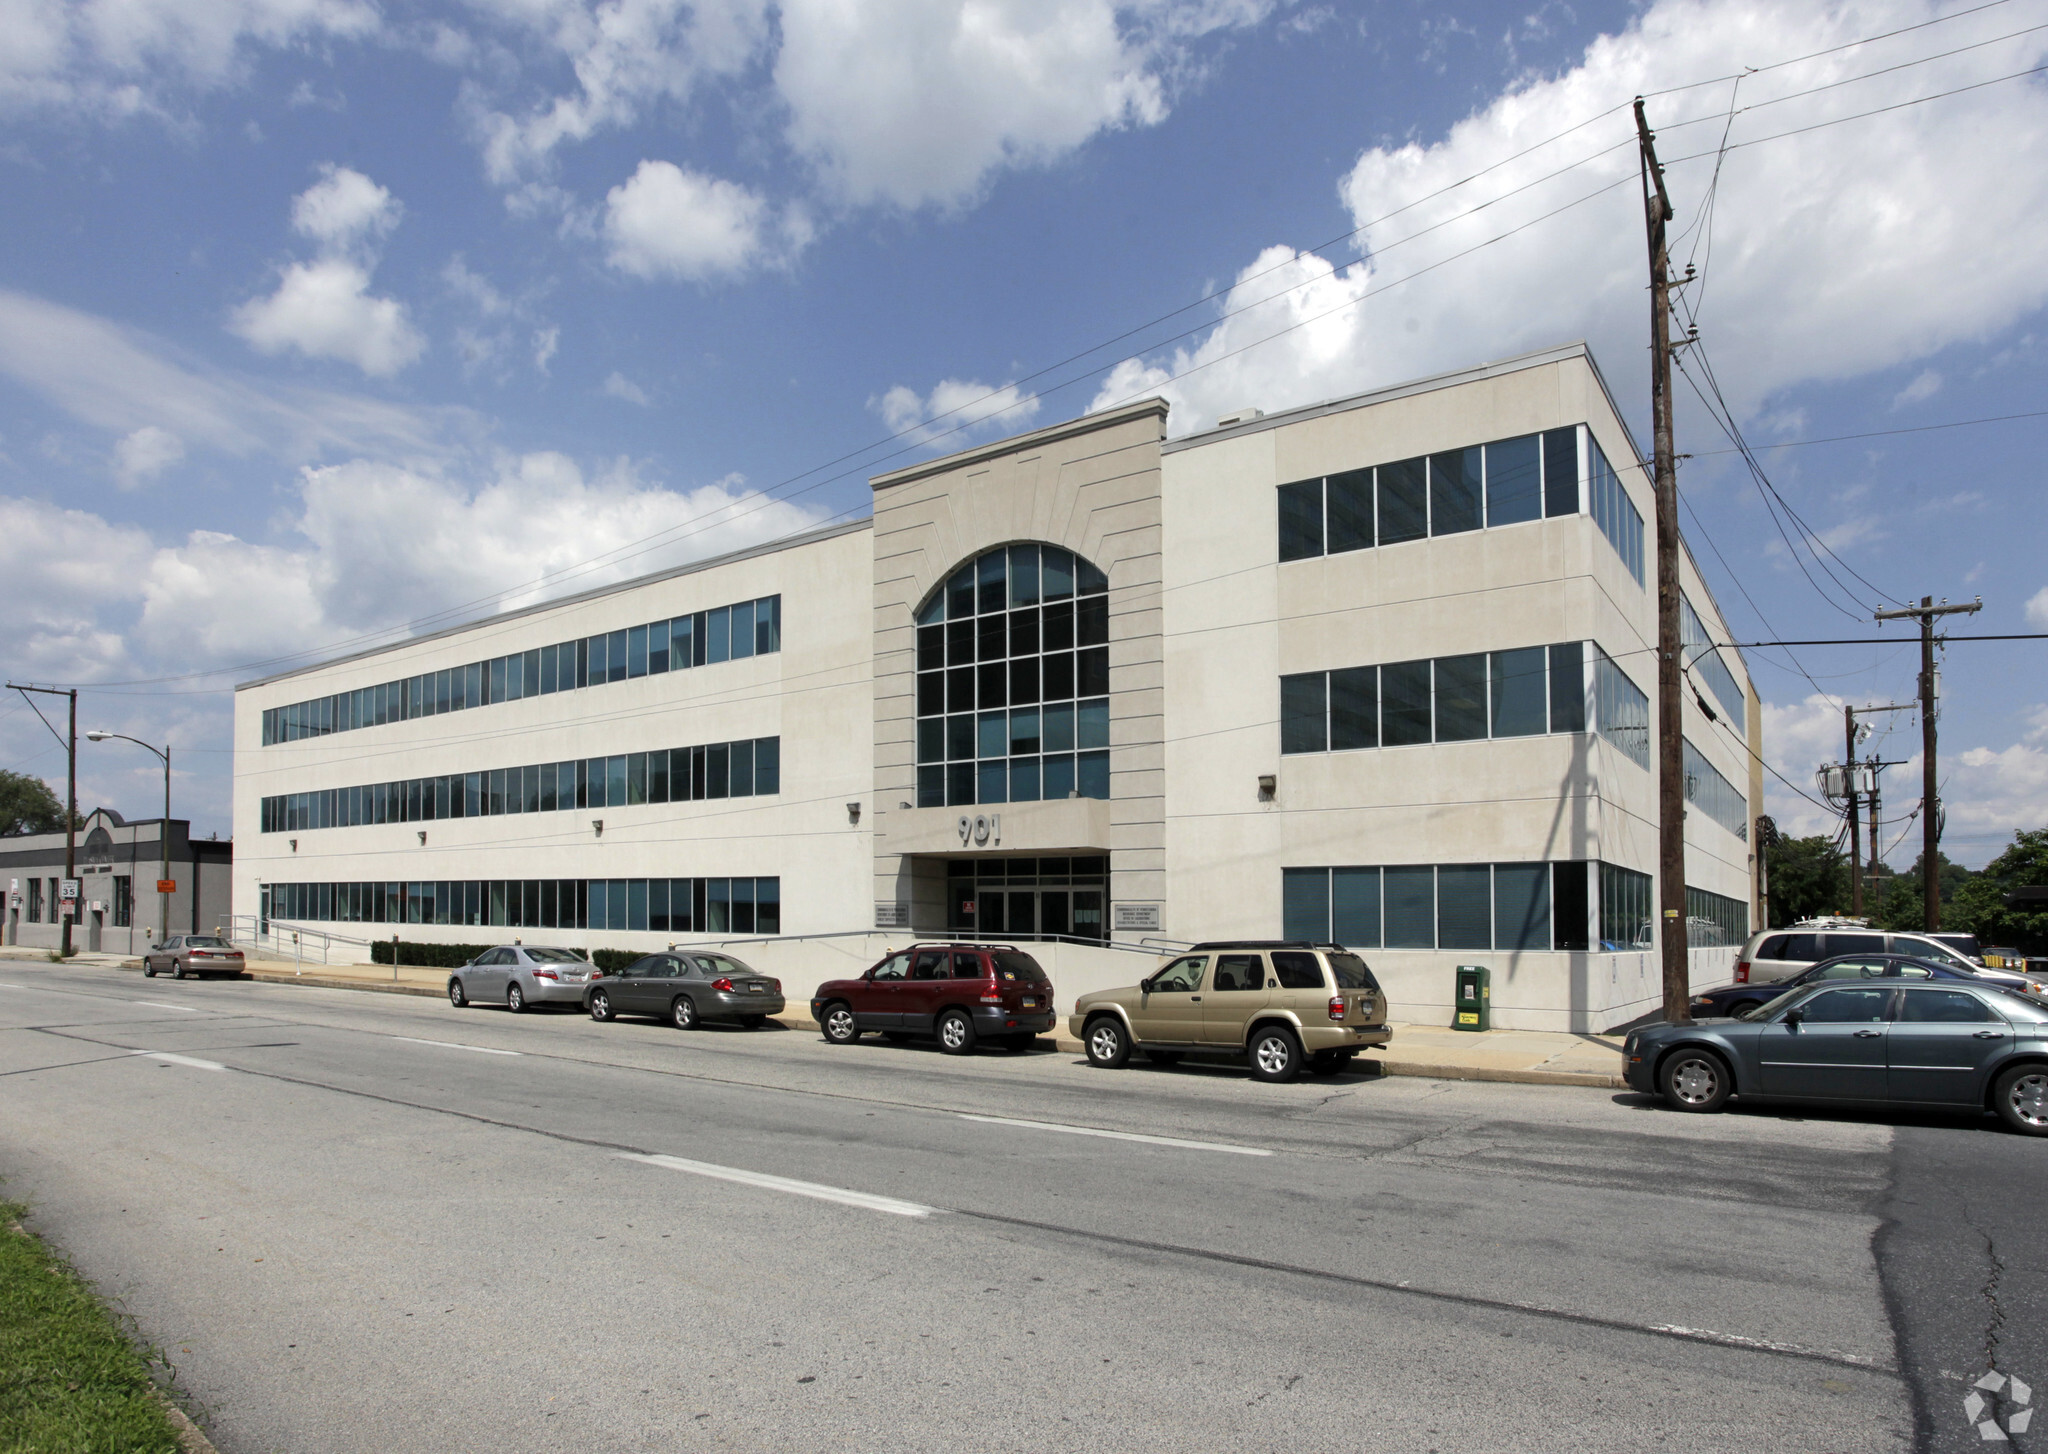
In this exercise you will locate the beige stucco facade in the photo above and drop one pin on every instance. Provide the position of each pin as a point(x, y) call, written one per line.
point(1204, 619)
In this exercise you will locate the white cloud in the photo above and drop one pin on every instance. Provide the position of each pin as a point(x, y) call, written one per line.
point(142, 456)
point(344, 208)
point(2037, 609)
point(63, 573)
point(324, 309)
point(120, 380)
point(120, 59)
point(545, 342)
point(1832, 252)
point(1925, 386)
point(666, 222)
point(1797, 740)
point(621, 387)
point(955, 411)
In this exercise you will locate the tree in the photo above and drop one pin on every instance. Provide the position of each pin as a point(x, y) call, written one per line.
point(28, 805)
point(1979, 904)
point(1809, 876)
point(1903, 909)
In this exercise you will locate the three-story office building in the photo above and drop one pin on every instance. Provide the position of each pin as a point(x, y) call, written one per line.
point(1377, 670)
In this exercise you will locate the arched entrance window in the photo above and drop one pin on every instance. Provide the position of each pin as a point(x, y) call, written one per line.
point(1013, 681)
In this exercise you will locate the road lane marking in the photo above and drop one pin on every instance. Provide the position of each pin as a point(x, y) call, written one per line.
point(451, 1045)
point(170, 1059)
point(160, 1005)
point(1118, 1135)
point(864, 1200)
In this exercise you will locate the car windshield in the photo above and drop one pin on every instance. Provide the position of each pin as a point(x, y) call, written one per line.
point(545, 955)
point(1769, 1008)
point(720, 966)
point(1961, 943)
point(1016, 967)
point(1352, 973)
point(204, 941)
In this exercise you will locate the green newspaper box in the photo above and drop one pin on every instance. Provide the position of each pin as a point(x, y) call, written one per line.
point(1474, 1009)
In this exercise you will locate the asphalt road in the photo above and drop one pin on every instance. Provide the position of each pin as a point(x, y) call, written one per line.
point(375, 1223)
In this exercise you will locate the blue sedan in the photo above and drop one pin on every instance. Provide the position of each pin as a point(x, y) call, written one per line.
point(1734, 999)
point(1906, 1043)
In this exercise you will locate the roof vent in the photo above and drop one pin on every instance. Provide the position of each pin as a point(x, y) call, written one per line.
point(1242, 416)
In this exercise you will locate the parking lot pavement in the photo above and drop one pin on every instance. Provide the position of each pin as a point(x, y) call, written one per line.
point(375, 1222)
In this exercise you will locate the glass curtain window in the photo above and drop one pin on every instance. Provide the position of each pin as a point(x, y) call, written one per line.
point(1714, 919)
point(1614, 512)
point(1710, 792)
point(1623, 710)
point(1500, 907)
point(1625, 921)
point(1704, 658)
point(1012, 659)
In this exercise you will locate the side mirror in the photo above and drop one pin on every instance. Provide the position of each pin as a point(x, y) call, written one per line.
point(1145, 985)
point(1794, 1015)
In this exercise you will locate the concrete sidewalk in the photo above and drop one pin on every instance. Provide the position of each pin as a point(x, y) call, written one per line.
point(1525, 1057)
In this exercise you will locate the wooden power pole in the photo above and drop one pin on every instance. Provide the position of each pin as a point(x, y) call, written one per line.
point(1670, 721)
point(1855, 821)
point(1930, 799)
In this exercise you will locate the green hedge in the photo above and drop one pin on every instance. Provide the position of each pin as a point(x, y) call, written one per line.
point(454, 956)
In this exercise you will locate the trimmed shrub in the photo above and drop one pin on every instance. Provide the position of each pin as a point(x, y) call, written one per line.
point(430, 956)
point(611, 961)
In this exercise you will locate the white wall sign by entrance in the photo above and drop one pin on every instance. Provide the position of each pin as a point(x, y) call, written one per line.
point(981, 830)
point(892, 916)
point(1137, 917)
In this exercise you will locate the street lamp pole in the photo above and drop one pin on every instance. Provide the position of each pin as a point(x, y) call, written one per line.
point(163, 837)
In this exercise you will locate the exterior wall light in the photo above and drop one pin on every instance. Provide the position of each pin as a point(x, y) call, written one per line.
point(295, 845)
point(423, 838)
point(1268, 784)
point(597, 826)
point(853, 812)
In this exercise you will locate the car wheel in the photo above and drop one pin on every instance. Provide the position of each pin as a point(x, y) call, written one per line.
point(1107, 1042)
point(149, 969)
point(177, 969)
point(1275, 1054)
point(515, 998)
point(600, 1006)
point(956, 1033)
point(457, 996)
point(1164, 1057)
point(753, 1022)
point(2020, 1097)
point(1695, 1080)
point(683, 1011)
point(840, 1027)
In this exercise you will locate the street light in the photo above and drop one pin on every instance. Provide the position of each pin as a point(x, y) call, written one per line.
point(163, 899)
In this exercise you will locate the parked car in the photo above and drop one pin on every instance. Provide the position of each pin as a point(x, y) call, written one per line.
point(1963, 944)
point(1955, 1045)
point(1734, 1000)
point(1773, 956)
point(1282, 1005)
point(686, 988)
point(960, 993)
point(517, 975)
point(2004, 956)
point(184, 954)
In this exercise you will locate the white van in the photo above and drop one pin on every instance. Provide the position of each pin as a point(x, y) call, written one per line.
point(1772, 955)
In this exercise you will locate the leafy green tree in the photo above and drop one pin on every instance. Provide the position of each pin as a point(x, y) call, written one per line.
point(1809, 876)
point(1979, 905)
point(1903, 908)
point(28, 805)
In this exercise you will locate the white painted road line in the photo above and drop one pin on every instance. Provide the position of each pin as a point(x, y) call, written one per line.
point(1119, 1135)
point(782, 1183)
point(451, 1045)
point(170, 1059)
point(160, 1005)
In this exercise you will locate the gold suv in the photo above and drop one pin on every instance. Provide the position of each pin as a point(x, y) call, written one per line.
point(1283, 1005)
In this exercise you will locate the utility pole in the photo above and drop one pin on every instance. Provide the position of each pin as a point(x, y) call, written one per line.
point(1930, 799)
point(1855, 825)
point(70, 792)
point(1670, 721)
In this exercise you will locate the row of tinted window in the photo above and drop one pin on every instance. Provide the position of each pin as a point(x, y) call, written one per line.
point(1704, 657)
point(1012, 576)
point(1502, 483)
point(633, 905)
point(750, 628)
point(1728, 919)
point(750, 767)
point(1491, 906)
point(1713, 794)
point(1024, 631)
point(1622, 710)
point(1520, 693)
point(1613, 511)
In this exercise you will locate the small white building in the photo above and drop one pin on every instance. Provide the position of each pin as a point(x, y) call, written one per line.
point(1378, 670)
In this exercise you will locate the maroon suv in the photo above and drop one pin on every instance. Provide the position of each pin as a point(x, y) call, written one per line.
point(961, 993)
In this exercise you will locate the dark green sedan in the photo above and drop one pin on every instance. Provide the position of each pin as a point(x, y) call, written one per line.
point(1947, 1045)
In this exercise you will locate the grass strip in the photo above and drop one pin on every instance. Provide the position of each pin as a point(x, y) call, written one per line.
point(71, 1381)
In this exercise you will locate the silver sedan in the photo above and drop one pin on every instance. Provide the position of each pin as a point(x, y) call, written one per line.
point(518, 975)
point(686, 988)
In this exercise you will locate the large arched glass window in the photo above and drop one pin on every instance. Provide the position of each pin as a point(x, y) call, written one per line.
point(1013, 681)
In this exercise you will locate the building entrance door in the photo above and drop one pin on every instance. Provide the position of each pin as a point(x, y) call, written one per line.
point(1027, 898)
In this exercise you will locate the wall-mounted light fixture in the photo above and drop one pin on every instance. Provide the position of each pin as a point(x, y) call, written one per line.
point(1268, 783)
point(423, 838)
point(853, 812)
point(597, 826)
point(903, 805)
point(295, 845)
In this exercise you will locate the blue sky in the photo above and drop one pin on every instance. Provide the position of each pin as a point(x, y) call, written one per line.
point(320, 317)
